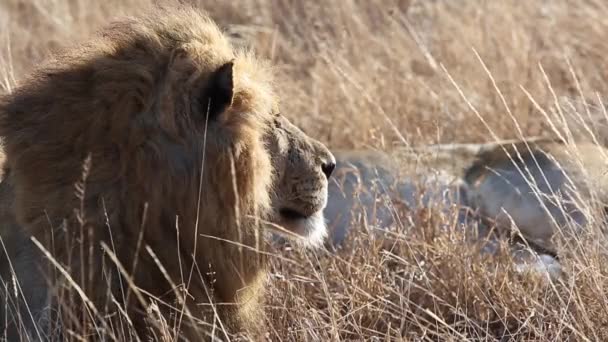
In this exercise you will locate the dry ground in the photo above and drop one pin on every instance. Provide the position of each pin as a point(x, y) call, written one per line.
point(378, 73)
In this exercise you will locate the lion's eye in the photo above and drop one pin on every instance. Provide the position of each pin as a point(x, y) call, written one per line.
point(277, 120)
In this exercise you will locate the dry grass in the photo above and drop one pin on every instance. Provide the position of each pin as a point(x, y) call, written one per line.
point(375, 73)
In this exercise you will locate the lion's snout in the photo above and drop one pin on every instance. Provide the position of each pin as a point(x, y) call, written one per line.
point(308, 198)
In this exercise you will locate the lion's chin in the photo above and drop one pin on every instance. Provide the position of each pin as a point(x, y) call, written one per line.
point(308, 231)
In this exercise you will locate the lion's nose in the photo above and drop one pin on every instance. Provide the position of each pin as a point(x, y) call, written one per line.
point(328, 167)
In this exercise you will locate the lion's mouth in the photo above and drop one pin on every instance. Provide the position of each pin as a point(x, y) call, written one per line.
point(309, 229)
point(291, 214)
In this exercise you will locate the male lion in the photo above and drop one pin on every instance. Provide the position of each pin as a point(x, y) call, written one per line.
point(179, 157)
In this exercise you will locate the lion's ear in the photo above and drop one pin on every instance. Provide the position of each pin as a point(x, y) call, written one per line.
point(220, 91)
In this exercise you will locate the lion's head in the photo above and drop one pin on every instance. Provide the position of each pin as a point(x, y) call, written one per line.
point(302, 166)
point(184, 152)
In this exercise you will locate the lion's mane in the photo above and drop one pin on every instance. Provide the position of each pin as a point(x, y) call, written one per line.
point(160, 124)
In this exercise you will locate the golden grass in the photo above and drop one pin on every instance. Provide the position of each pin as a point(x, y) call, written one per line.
point(380, 73)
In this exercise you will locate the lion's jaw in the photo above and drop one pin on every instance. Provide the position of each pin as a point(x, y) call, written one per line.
point(309, 231)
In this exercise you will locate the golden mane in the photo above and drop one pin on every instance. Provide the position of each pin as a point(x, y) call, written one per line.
point(166, 118)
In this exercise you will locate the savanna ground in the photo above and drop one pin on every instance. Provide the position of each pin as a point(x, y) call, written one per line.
point(384, 73)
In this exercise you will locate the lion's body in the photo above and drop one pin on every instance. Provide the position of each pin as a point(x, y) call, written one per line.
point(543, 188)
point(549, 189)
point(149, 139)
